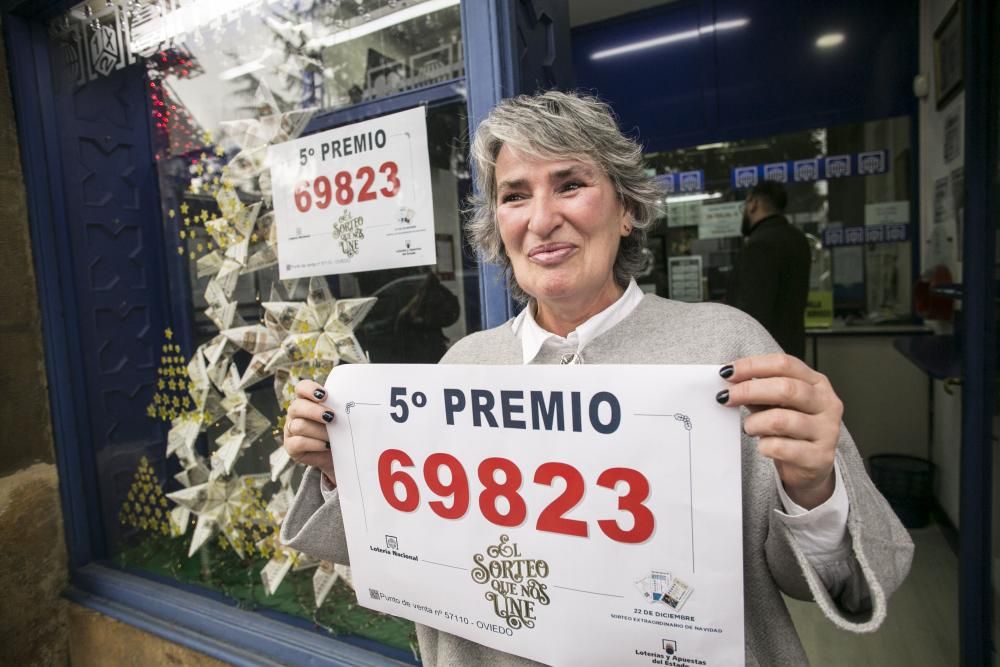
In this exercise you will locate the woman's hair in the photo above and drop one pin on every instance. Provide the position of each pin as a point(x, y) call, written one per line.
point(563, 126)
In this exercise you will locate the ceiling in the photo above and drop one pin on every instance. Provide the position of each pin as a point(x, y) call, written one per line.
point(590, 11)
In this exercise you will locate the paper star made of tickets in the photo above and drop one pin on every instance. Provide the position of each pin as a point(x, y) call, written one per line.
point(321, 330)
point(216, 503)
point(248, 425)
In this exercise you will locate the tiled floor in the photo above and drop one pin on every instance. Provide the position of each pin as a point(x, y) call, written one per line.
point(922, 624)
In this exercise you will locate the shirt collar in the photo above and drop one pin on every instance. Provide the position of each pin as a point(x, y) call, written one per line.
point(534, 337)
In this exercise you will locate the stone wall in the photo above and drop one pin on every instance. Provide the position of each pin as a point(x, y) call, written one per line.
point(32, 551)
point(96, 641)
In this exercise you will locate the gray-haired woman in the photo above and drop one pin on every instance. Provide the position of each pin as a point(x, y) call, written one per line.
point(563, 206)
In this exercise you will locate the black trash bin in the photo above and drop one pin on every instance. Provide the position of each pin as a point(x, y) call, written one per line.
point(907, 482)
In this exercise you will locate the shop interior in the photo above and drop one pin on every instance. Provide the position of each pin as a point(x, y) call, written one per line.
point(876, 303)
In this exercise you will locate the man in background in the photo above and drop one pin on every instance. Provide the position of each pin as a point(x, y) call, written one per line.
point(771, 278)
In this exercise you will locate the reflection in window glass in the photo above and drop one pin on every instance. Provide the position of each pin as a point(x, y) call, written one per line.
point(225, 81)
point(323, 54)
point(870, 282)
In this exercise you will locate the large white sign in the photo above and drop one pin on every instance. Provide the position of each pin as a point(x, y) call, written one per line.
point(571, 514)
point(356, 198)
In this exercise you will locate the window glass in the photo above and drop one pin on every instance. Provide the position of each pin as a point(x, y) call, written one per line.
point(225, 80)
point(310, 53)
point(865, 267)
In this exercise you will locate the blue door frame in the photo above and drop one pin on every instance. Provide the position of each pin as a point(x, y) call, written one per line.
point(979, 355)
point(502, 57)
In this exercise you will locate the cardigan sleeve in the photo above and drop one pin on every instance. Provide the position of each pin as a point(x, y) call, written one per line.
point(881, 553)
point(881, 549)
point(314, 525)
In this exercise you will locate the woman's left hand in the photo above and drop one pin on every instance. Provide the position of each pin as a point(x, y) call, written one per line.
point(795, 414)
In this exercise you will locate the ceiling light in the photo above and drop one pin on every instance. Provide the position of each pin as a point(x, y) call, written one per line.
point(669, 38)
point(830, 40)
point(701, 196)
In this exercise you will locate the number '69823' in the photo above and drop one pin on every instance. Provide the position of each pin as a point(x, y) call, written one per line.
point(320, 192)
point(394, 475)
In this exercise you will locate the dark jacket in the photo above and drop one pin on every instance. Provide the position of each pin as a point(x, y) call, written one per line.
point(771, 281)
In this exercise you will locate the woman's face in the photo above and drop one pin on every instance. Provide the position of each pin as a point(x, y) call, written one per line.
point(561, 223)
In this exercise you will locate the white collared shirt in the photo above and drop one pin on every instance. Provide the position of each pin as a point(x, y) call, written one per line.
point(534, 338)
point(821, 532)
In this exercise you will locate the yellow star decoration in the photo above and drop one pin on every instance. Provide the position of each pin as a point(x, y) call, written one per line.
point(206, 137)
point(220, 151)
point(184, 208)
point(171, 398)
point(145, 507)
point(171, 213)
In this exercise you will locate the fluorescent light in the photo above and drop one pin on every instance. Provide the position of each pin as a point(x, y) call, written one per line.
point(669, 38)
point(381, 23)
point(830, 40)
point(709, 147)
point(701, 196)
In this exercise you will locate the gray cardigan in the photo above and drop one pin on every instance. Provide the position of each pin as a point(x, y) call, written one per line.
point(659, 331)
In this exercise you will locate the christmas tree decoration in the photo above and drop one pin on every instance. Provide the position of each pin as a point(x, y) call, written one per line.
point(146, 507)
point(171, 397)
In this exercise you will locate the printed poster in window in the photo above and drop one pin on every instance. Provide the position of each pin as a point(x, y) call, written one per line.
point(355, 198)
point(720, 221)
point(684, 275)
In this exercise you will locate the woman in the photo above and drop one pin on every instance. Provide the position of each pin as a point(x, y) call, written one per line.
point(563, 205)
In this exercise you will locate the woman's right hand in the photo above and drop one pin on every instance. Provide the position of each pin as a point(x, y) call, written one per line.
point(305, 428)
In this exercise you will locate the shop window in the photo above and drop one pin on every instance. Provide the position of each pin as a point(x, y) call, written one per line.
point(225, 81)
point(849, 190)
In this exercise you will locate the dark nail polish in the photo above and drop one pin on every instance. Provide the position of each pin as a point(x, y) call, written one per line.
point(320, 394)
point(328, 416)
point(723, 396)
point(328, 445)
point(727, 371)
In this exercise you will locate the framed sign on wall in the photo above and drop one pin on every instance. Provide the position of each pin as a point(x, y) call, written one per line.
point(948, 60)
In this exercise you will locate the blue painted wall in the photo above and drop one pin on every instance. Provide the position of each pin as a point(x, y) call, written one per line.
point(764, 77)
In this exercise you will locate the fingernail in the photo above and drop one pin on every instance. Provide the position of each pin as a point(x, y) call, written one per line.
point(320, 394)
point(723, 396)
point(328, 445)
point(727, 371)
point(328, 416)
